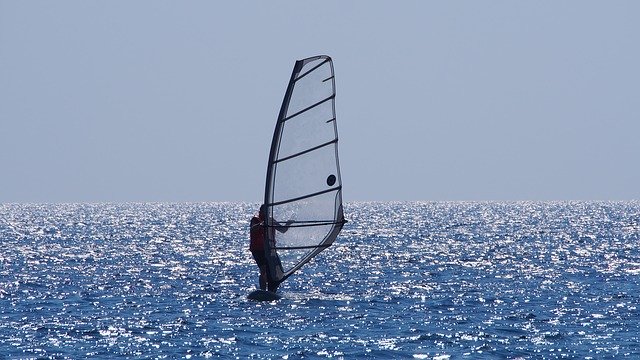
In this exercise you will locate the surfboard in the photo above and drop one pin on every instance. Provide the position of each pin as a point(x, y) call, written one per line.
point(263, 295)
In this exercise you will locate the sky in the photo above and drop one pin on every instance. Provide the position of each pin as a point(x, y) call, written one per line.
point(176, 101)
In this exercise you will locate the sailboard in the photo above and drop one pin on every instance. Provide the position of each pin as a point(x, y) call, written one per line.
point(303, 191)
point(263, 295)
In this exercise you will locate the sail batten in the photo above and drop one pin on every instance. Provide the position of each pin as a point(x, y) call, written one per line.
point(306, 151)
point(315, 223)
point(312, 69)
point(305, 196)
point(303, 191)
point(308, 108)
point(303, 247)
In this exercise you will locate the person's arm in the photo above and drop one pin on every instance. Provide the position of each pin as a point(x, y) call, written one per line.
point(255, 223)
point(283, 228)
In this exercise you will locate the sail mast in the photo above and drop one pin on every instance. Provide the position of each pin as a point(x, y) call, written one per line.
point(276, 133)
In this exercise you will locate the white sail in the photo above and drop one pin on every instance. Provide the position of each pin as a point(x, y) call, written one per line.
point(303, 188)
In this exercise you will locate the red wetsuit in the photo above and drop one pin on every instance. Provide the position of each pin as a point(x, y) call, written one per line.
point(256, 245)
point(256, 233)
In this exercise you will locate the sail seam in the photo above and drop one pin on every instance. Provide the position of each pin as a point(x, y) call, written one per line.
point(308, 108)
point(312, 69)
point(305, 196)
point(306, 151)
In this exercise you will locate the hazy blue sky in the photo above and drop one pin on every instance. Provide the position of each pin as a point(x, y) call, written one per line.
point(449, 100)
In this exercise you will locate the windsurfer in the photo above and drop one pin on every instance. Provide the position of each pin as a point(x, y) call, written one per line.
point(257, 248)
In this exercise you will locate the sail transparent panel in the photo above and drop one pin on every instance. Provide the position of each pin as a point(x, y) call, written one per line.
point(312, 88)
point(314, 221)
point(306, 130)
point(305, 174)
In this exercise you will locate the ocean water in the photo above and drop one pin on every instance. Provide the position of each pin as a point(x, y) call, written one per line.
point(525, 280)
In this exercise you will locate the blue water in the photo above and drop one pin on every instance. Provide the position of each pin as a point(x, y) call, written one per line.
point(404, 280)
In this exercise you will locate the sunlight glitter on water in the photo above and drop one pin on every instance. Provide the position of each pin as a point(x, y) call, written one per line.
point(422, 280)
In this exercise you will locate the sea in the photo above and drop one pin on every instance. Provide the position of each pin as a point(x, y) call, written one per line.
point(404, 280)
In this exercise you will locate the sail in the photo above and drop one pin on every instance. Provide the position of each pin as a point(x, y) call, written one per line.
point(303, 193)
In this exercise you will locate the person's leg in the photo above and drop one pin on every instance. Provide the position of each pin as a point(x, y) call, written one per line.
point(261, 261)
point(263, 279)
point(273, 286)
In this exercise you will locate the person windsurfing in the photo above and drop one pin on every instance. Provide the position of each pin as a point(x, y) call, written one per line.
point(258, 250)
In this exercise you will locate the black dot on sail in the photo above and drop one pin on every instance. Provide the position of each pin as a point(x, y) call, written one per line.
point(331, 179)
